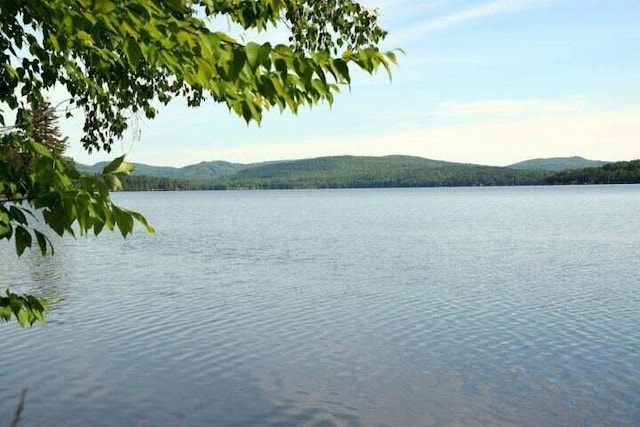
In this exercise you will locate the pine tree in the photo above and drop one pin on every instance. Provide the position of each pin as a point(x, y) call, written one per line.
point(43, 122)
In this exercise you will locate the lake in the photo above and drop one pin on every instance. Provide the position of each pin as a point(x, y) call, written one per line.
point(390, 307)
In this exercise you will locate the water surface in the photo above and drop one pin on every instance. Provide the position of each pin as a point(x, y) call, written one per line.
point(394, 307)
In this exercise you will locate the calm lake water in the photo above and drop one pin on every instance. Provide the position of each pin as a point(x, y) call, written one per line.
point(395, 307)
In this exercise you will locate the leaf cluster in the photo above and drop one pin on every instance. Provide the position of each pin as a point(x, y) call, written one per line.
point(40, 191)
point(26, 309)
point(117, 58)
point(42, 124)
point(56, 194)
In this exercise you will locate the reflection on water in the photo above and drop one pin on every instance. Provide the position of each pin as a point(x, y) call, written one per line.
point(36, 274)
point(440, 307)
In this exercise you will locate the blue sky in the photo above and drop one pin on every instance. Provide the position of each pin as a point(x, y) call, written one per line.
point(483, 81)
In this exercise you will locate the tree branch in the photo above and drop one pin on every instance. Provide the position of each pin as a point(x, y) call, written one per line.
point(16, 417)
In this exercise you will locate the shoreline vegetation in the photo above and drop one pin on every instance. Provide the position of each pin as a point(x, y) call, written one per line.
point(373, 172)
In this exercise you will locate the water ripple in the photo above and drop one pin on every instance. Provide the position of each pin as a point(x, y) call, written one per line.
point(335, 309)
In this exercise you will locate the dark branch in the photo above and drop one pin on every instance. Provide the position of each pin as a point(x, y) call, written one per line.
point(16, 417)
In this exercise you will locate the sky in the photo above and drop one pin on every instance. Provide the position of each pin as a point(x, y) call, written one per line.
point(489, 82)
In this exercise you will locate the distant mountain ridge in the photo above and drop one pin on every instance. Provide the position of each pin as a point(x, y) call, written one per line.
point(218, 168)
point(212, 169)
point(557, 164)
point(342, 172)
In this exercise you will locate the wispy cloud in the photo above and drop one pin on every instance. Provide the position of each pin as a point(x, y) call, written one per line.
point(464, 16)
point(509, 107)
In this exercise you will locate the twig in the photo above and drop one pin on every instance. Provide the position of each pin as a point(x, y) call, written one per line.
point(16, 417)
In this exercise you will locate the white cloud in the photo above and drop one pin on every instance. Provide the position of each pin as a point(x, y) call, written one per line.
point(464, 16)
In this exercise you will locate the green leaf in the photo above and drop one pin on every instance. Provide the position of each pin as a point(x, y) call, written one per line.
point(143, 221)
point(113, 166)
point(125, 168)
point(23, 239)
point(54, 42)
point(104, 6)
point(205, 72)
point(16, 214)
point(6, 230)
point(253, 54)
point(42, 242)
point(264, 55)
point(23, 317)
point(5, 312)
point(134, 53)
point(237, 63)
point(124, 221)
point(342, 69)
point(11, 71)
point(112, 181)
point(178, 5)
point(281, 65)
point(55, 220)
point(40, 149)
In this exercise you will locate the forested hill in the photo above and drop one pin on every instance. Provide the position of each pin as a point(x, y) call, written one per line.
point(612, 173)
point(336, 172)
point(363, 172)
point(200, 170)
point(388, 171)
point(557, 164)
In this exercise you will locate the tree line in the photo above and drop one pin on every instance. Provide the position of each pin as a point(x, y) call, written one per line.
point(611, 173)
point(353, 172)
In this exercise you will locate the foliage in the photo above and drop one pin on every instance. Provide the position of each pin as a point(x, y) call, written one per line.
point(118, 58)
point(62, 195)
point(26, 309)
point(43, 123)
point(612, 173)
point(39, 191)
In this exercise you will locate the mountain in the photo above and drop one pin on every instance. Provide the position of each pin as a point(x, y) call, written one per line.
point(342, 172)
point(557, 164)
point(359, 168)
point(202, 170)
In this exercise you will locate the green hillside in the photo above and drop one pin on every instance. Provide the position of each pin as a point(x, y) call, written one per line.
point(612, 173)
point(364, 172)
point(141, 169)
point(388, 171)
point(203, 170)
point(361, 172)
point(557, 164)
point(208, 170)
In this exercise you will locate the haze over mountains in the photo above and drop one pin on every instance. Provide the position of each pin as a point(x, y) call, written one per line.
point(219, 168)
point(344, 172)
point(557, 164)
